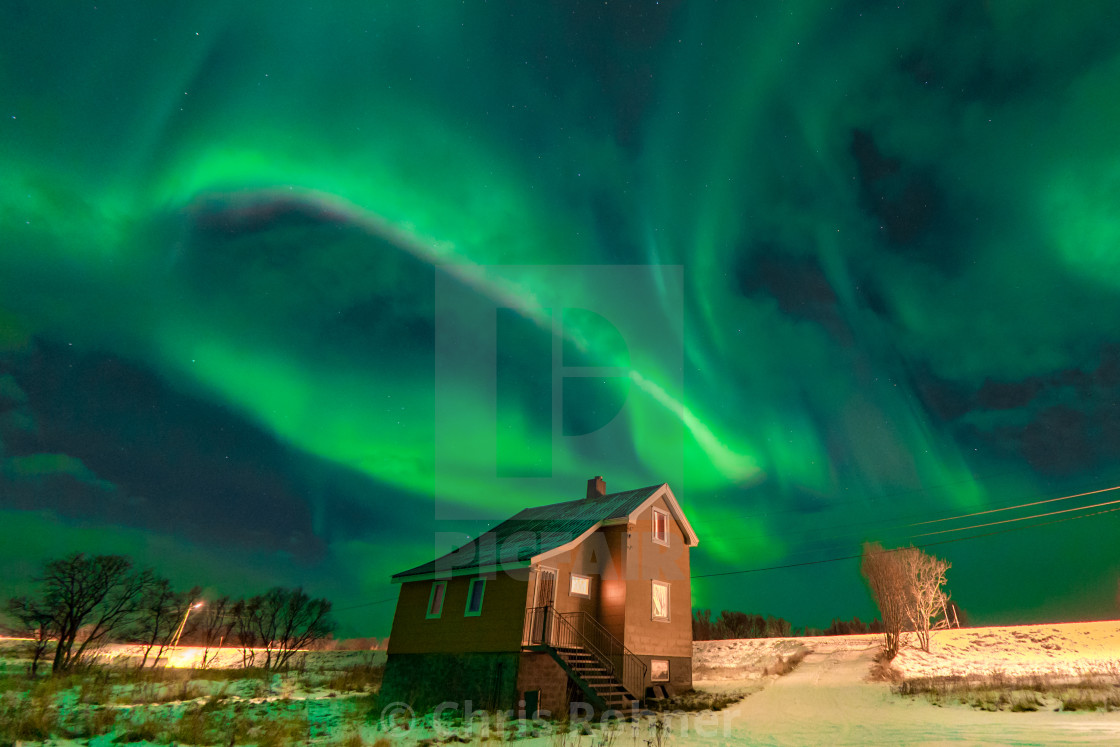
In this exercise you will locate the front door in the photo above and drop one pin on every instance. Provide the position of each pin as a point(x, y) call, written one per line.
point(543, 598)
point(546, 588)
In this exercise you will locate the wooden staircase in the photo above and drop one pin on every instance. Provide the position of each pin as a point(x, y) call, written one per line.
point(610, 676)
point(602, 688)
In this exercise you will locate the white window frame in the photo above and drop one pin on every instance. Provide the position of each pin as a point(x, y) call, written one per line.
point(653, 596)
point(428, 613)
point(470, 593)
point(572, 582)
point(660, 540)
point(653, 677)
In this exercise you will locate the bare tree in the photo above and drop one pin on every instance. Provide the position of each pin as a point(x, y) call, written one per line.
point(282, 621)
point(925, 575)
point(95, 596)
point(886, 576)
point(907, 586)
point(243, 615)
point(215, 627)
point(733, 624)
point(159, 615)
point(37, 620)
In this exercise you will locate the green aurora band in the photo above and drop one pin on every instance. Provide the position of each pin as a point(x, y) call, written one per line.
point(896, 230)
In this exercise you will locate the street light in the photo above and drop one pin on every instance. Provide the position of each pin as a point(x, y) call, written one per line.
point(183, 624)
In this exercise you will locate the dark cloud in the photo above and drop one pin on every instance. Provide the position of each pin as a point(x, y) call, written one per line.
point(797, 282)
point(225, 236)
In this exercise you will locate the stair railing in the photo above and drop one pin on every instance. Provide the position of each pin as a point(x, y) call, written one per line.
point(544, 626)
point(626, 667)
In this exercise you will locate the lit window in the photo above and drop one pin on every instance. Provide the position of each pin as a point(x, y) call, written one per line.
point(659, 670)
point(661, 601)
point(435, 599)
point(581, 586)
point(660, 527)
point(474, 597)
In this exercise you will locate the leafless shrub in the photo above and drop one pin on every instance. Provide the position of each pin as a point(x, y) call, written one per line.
point(700, 700)
point(163, 618)
point(883, 671)
point(786, 664)
point(214, 629)
point(907, 586)
point(996, 691)
point(281, 621)
point(37, 622)
point(658, 730)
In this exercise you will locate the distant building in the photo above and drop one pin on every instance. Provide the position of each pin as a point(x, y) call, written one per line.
point(587, 600)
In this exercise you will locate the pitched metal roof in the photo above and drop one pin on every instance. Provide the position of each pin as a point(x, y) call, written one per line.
point(531, 532)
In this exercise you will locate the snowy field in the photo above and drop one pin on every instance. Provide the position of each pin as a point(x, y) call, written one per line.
point(1061, 649)
point(827, 699)
point(325, 699)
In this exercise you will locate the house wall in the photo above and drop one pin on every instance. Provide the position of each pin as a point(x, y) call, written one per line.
point(645, 561)
point(471, 681)
point(612, 589)
point(541, 672)
point(599, 557)
point(680, 671)
point(497, 629)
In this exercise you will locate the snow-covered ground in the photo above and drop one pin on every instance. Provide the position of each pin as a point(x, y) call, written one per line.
point(1060, 649)
point(827, 699)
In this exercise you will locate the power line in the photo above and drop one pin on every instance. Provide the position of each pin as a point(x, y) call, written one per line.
point(367, 604)
point(1021, 518)
point(927, 544)
point(1021, 505)
point(829, 534)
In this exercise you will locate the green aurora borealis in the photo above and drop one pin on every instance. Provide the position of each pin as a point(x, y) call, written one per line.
point(881, 244)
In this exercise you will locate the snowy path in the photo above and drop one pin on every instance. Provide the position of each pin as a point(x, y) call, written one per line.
point(826, 701)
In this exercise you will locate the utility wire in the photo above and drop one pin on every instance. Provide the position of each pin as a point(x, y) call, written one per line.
point(1021, 518)
point(824, 534)
point(1021, 505)
point(926, 544)
point(367, 604)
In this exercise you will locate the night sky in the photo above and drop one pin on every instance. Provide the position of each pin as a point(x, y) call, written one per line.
point(298, 294)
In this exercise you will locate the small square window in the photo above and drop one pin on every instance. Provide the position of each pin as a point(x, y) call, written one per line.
point(660, 527)
point(661, 601)
point(659, 670)
point(580, 586)
point(435, 599)
point(474, 597)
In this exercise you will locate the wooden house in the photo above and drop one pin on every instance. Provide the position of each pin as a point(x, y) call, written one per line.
point(584, 601)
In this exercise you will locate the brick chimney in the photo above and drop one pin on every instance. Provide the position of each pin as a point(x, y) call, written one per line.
point(596, 488)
